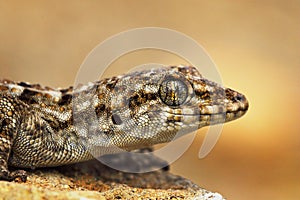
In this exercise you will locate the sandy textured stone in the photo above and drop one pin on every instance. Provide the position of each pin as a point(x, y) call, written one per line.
point(91, 180)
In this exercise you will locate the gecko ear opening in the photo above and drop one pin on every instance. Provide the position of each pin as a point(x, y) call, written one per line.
point(116, 119)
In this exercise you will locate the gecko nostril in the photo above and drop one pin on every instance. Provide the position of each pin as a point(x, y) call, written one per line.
point(240, 97)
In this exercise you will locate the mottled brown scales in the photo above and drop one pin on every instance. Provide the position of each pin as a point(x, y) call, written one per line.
point(3, 88)
point(45, 127)
point(65, 99)
point(100, 108)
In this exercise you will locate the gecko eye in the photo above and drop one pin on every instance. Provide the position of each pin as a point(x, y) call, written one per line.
point(173, 92)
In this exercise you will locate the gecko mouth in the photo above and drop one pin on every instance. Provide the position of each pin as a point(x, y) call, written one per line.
point(208, 115)
point(205, 119)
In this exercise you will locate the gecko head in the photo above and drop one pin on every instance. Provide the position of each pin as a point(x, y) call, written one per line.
point(153, 106)
point(210, 101)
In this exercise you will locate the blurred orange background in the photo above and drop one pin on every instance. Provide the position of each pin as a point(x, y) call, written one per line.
point(255, 44)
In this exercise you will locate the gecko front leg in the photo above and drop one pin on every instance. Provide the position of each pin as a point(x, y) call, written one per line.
point(8, 124)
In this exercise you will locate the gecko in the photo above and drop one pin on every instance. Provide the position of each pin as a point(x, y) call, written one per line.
point(45, 127)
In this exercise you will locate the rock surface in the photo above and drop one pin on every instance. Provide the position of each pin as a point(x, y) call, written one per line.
point(92, 180)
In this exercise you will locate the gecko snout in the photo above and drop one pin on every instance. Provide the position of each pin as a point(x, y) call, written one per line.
point(237, 98)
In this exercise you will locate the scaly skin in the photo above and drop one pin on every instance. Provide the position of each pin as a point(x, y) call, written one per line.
point(44, 127)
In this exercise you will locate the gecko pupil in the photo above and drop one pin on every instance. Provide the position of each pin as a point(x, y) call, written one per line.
point(173, 92)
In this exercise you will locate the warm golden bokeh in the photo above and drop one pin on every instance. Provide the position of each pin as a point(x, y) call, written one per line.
point(255, 45)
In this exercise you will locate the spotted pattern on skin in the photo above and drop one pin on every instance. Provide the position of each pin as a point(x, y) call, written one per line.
point(44, 127)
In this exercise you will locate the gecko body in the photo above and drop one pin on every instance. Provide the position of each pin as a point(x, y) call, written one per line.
point(44, 127)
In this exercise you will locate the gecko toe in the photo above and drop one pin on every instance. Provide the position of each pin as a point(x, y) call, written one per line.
point(18, 175)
